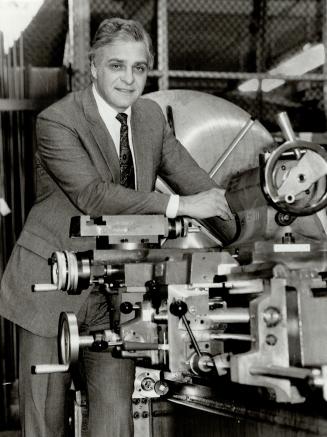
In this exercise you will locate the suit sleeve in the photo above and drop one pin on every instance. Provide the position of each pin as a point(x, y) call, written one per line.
point(65, 159)
point(181, 172)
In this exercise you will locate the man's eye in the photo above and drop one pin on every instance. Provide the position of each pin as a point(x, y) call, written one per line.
point(140, 68)
point(115, 66)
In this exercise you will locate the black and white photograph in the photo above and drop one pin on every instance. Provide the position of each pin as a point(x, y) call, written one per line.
point(163, 218)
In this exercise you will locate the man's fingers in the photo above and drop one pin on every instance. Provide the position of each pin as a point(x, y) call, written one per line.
point(225, 215)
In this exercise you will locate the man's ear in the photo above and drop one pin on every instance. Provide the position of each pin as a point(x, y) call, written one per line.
point(93, 70)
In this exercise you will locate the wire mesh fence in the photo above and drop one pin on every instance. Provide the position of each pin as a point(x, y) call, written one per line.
point(223, 37)
point(45, 36)
point(255, 36)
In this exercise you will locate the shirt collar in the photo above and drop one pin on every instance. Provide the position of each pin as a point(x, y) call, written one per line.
point(104, 108)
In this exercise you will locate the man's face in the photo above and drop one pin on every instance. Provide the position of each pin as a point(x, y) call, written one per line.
point(119, 72)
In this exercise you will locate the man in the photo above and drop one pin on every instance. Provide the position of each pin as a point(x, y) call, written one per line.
point(91, 160)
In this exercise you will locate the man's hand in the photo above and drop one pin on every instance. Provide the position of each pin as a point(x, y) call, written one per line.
point(207, 204)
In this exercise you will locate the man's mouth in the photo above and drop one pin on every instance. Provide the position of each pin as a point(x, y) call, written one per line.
point(125, 90)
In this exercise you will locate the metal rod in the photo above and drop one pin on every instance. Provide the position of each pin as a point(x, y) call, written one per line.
point(44, 287)
point(190, 333)
point(19, 136)
point(21, 66)
point(200, 407)
point(311, 77)
point(2, 56)
point(15, 70)
point(10, 145)
point(239, 337)
point(229, 315)
point(86, 340)
point(285, 125)
point(231, 147)
point(162, 35)
point(50, 368)
point(282, 372)
point(2, 176)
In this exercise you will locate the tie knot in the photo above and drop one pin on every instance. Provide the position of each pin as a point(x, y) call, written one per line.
point(122, 117)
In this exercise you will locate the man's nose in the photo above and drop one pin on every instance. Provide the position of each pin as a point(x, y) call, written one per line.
point(128, 76)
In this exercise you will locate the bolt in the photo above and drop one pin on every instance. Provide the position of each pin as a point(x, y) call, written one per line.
point(271, 316)
point(145, 414)
point(192, 309)
point(288, 238)
point(136, 415)
point(271, 340)
point(147, 384)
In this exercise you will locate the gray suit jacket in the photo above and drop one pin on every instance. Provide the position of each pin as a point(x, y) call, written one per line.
point(77, 172)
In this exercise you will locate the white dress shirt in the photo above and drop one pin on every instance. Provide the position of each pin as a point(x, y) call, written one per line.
point(108, 115)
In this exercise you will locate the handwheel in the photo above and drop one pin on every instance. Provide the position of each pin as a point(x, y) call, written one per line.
point(294, 178)
point(68, 337)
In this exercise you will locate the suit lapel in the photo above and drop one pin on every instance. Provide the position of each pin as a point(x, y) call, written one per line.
point(101, 134)
point(141, 147)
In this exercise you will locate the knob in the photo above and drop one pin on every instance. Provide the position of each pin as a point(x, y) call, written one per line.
point(126, 307)
point(178, 308)
point(99, 346)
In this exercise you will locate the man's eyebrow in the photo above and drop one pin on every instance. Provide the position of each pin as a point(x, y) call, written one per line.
point(122, 61)
point(115, 60)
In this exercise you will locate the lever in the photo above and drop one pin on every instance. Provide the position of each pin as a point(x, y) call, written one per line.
point(179, 308)
point(44, 287)
point(39, 369)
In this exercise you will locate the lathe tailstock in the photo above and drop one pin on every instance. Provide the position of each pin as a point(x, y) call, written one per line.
point(224, 317)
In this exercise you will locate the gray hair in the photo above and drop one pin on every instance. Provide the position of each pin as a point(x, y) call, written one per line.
point(114, 29)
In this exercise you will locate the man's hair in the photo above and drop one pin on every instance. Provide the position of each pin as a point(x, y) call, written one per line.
point(118, 29)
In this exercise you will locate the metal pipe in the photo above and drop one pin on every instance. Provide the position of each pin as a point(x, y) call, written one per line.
point(86, 340)
point(50, 368)
point(231, 147)
point(229, 315)
point(239, 337)
point(44, 287)
point(163, 46)
point(282, 372)
point(190, 333)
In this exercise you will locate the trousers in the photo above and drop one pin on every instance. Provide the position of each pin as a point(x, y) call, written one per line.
point(109, 383)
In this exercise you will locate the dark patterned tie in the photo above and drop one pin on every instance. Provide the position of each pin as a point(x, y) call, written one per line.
point(127, 178)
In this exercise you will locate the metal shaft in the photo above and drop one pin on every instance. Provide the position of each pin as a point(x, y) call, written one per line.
point(190, 333)
point(50, 368)
point(231, 147)
point(285, 126)
point(230, 315)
